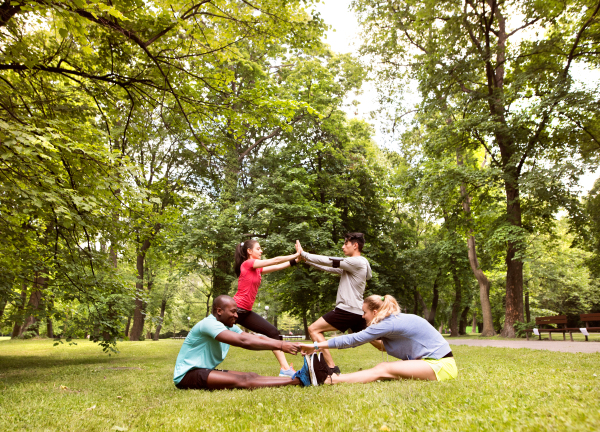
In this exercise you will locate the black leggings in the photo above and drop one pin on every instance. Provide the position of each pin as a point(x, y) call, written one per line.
point(256, 323)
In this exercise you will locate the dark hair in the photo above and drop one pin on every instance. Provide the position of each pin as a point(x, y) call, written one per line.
point(241, 254)
point(357, 238)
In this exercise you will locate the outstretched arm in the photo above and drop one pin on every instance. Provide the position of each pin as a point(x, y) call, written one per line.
point(273, 268)
point(255, 343)
point(327, 269)
point(325, 263)
point(368, 335)
point(275, 261)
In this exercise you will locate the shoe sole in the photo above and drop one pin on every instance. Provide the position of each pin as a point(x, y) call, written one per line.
point(311, 369)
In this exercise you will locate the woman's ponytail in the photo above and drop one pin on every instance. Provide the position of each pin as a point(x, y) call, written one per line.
point(385, 306)
point(241, 254)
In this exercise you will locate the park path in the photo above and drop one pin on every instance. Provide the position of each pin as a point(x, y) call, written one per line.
point(562, 346)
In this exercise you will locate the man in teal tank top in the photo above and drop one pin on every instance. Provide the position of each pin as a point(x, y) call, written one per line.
point(207, 344)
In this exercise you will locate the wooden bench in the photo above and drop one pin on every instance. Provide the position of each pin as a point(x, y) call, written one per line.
point(559, 320)
point(587, 319)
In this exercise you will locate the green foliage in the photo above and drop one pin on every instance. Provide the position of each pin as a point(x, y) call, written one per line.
point(520, 327)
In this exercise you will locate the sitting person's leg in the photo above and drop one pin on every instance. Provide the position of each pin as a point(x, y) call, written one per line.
point(218, 380)
point(408, 369)
point(215, 379)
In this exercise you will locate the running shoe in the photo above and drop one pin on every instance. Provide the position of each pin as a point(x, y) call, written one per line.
point(303, 374)
point(334, 370)
point(320, 370)
point(287, 372)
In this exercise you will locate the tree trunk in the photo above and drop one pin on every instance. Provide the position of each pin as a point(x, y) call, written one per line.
point(527, 312)
point(127, 326)
point(416, 301)
point(474, 325)
point(429, 314)
point(462, 328)
point(514, 268)
point(305, 323)
point(221, 284)
point(423, 304)
point(49, 327)
point(482, 280)
point(434, 303)
point(2, 307)
point(139, 313)
point(113, 256)
point(19, 320)
point(39, 283)
point(456, 305)
point(163, 307)
point(208, 308)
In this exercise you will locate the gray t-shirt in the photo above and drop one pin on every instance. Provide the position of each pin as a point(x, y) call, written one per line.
point(354, 273)
point(404, 336)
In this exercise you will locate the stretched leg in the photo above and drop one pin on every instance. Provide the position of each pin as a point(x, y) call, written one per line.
point(256, 323)
point(408, 369)
point(315, 331)
point(218, 380)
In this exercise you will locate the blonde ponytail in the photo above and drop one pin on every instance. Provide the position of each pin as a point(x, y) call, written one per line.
point(384, 305)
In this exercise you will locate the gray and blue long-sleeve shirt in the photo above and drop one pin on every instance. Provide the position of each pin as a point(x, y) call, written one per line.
point(354, 273)
point(404, 336)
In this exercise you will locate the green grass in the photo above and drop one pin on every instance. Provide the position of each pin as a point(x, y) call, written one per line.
point(497, 389)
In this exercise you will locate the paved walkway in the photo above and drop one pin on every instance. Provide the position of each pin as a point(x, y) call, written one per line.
point(563, 346)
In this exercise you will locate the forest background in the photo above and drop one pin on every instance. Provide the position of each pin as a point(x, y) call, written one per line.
point(141, 141)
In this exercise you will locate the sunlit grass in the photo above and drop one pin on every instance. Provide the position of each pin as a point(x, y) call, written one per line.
point(78, 388)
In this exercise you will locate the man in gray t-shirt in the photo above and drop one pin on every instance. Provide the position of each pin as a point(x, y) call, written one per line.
point(354, 271)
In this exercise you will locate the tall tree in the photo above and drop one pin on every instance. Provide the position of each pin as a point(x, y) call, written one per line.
point(518, 95)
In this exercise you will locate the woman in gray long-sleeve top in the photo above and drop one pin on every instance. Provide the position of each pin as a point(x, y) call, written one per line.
point(425, 353)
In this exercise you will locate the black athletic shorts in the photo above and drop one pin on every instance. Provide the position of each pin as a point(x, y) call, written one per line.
point(254, 322)
point(344, 320)
point(196, 379)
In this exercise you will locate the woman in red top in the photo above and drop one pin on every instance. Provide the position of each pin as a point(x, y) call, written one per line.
point(249, 268)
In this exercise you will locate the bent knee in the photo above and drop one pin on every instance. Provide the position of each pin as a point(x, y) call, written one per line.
point(313, 330)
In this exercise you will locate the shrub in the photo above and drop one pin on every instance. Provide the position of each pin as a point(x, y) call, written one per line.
point(520, 327)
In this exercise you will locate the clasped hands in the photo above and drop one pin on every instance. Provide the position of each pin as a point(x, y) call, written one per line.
point(297, 347)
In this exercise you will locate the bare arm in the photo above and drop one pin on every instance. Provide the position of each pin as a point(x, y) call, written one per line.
point(255, 343)
point(274, 261)
point(309, 348)
point(378, 344)
point(273, 268)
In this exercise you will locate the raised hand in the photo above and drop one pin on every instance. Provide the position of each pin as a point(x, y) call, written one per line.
point(299, 247)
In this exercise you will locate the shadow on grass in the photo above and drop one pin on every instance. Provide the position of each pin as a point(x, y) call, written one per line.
point(28, 362)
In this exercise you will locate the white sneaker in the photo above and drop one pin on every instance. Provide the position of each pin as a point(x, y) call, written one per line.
point(312, 363)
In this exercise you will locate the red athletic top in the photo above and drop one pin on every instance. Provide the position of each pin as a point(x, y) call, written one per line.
point(248, 284)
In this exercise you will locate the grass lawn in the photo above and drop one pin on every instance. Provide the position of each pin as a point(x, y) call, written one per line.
point(78, 388)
